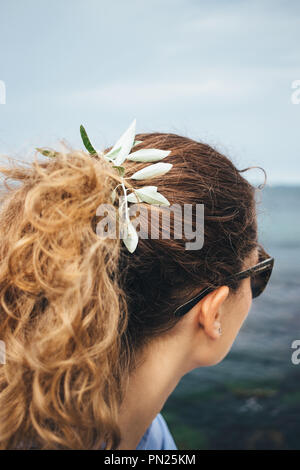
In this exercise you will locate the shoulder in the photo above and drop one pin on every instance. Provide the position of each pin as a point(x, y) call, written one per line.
point(157, 436)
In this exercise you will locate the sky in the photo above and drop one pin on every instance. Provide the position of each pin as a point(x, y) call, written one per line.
point(217, 71)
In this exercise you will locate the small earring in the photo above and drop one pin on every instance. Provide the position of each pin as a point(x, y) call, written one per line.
point(220, 331)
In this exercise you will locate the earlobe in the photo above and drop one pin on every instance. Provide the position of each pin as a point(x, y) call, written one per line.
point(209, 312)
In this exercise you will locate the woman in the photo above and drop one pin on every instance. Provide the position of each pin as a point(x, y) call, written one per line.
point(97, 337)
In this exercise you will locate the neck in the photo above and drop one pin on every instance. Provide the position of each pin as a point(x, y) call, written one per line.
point(158, 372)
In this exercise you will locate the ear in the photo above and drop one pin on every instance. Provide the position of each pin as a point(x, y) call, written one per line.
point(209, 312)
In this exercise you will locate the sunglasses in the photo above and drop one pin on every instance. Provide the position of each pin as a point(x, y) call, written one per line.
point(260, 275)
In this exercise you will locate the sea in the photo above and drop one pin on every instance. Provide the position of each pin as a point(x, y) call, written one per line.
point(251, 400)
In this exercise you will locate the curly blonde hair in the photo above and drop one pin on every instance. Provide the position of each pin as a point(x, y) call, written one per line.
point(76, 310)
point(62, 312)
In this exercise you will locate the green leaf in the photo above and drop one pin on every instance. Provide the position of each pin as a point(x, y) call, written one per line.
point(136, 195)
point(86, 141)
point(130, 238)
point(148, 155)
point(125, 142)
point(120, 169)
point(112, 154)
point(158, 169)
point(137, 142)
point(133, 198)
point(47, 153)
point(148, 194)
point(113, 195)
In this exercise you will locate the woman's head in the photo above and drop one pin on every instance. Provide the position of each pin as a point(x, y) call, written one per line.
point(76, 310)
point(161, 274)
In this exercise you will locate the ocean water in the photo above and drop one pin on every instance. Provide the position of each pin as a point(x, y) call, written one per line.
point(251, 400)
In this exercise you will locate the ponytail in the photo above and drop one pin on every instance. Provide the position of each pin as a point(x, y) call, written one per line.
point(62, 310)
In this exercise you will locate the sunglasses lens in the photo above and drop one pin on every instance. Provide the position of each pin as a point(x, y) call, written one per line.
point(259, 281)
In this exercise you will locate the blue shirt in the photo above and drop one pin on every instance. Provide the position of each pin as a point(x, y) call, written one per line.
point(157, 436)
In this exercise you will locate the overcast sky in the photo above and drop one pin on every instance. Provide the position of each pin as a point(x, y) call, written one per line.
point(217, 71)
